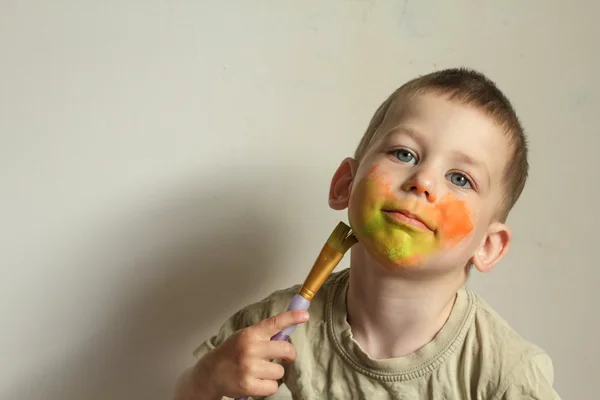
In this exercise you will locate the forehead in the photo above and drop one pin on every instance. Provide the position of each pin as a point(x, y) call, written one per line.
point(452, 127)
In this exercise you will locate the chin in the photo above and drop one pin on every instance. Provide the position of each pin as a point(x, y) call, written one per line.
point(395, 262)
point(417, 262)
point(434, 262)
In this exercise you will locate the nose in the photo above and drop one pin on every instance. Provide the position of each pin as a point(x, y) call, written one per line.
point(421, 184)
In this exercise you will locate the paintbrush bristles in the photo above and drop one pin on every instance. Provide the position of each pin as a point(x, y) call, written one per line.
point(342, 238)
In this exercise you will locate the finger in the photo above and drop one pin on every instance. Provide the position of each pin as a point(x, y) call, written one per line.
point(273, 325)
point(259, 388)
point(269, 370)
point(277, 350)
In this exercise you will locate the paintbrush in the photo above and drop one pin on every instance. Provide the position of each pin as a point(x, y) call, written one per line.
point(340, 240)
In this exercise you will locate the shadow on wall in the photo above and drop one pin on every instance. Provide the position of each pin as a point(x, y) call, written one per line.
point(185, 264)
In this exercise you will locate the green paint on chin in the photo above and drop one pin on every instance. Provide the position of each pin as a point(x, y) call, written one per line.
point(399, 252)
point(392, 241)
point(388, 240)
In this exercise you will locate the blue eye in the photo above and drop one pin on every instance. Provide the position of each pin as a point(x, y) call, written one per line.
point(405, 156)
point(459, 179)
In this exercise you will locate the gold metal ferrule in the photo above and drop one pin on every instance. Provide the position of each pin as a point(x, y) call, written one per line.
point(326, 262)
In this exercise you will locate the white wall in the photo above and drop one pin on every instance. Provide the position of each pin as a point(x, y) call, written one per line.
point(163, 163)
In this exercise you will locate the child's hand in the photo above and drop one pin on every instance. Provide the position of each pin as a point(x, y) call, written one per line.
point(241, 365)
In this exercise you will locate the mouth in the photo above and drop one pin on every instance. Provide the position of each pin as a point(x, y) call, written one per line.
point(407, 218)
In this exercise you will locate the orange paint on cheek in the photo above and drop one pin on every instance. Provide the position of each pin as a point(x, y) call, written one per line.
point(454, 219)
point(450, 217)
point(452, 214)
point(380, 179)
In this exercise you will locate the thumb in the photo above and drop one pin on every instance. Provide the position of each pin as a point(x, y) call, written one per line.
point(274, 324)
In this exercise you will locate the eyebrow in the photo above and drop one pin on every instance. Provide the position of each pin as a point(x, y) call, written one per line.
point(405, 131)
point(468, 160)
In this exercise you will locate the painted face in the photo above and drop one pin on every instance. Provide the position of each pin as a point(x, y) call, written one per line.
point(424, 189)
point(403, 229)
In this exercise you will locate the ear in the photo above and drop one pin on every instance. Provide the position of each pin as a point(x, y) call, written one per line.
point(493, 248)
point(341, 184)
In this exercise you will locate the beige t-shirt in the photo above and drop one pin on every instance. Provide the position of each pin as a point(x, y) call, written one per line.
point(476, 355)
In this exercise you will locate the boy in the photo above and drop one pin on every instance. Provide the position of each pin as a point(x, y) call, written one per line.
point(428, 191)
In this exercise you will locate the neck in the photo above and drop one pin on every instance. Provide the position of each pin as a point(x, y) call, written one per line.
point(395, 313)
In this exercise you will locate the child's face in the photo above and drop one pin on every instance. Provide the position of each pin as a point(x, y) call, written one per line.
point(426, 191)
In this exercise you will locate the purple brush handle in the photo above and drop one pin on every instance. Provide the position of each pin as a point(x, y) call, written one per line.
point(298, 303)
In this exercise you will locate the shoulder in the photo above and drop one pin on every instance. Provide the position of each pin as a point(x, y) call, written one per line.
point(496, 335)
point(531, 379)
point(501, 359)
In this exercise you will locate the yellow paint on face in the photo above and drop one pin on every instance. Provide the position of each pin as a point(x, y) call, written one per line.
point(398, 242)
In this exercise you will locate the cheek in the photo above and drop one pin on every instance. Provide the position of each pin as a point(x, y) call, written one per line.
point(455, 220)
point(380, 182)
point(368, 193)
